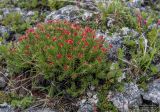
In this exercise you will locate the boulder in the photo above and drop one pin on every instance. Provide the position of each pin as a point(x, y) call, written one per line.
point(130, 98)
point(70, 13)
point(153, 92)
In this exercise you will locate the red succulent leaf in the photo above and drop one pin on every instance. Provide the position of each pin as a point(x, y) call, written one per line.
point(59, 56)
point(69, 56)
point(54, 39)
point(80, 55)
point(70, 41)
point(83, 39)
point(60, 45)
point(66, 67)
point(30, 30)
point(66, 32)
point(88, 30)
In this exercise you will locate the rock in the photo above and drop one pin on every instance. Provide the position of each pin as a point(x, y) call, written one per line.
point(87, 15)
point(70, 13)
point(115, 39)
point(131, 97)
point(30, 13)
point(25, 15)
point(116, 42)
point(89, 5)
point(86, 107)
point(110, 22)
point(18, 10)
point(122, 77)
point(125, 30)
point(153, 92)
point(135, 3)
point(89, 103)
point(6, 34)
point(2, 83)
point(120, 102)
point(40, 110)
point(6, 108)
point(4, 31)
point(7, 11)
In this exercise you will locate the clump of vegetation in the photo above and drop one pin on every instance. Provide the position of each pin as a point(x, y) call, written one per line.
point(4, 97)
point(122, 16)
point(15, 22)
point(22, 103)
point(68, 57)
point(139, 56)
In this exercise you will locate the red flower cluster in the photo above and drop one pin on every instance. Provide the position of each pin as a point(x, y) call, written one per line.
point(69, 56)
point(64, 39)
point(70, 41)
point(54, 39)
point(59, 56)
point(66, 32)
point(22, 38)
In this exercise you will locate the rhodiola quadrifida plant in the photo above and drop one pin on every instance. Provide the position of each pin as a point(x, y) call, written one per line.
point(68, 57)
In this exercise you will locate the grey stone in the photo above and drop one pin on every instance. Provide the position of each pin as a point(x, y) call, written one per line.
point(125, 30)
point(135, 3)
point(2, 83)
point(120, 102)
point(116, 41)
point(3, 31)
point(40, 110)
point(70, 13)
point(89, 5)
point(131, 97)
point(153, 92)
point(6, 34)
point(6, 11)
point(89, 103)
point(6, 108)
point(110, 22)
point(86, 107)
point(87, 15)
point(30, 13)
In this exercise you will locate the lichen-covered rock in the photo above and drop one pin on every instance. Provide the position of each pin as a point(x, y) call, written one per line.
point(6, 108)
point(153, 92)
point(131, 97)
point(6, 11)
point(4, 31)
point(135, 3)
point(89, 103)
point(90, 5)
point(40, 110)
point(70, 13)
point(6, 34)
